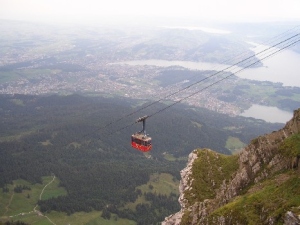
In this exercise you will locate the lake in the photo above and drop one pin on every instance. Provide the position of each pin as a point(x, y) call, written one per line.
point(283, 67)
point(267, 113)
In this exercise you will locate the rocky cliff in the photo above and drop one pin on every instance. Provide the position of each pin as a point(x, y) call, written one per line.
point(260, 185)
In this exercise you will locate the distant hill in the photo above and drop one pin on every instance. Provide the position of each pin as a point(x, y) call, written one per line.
point(258, 186)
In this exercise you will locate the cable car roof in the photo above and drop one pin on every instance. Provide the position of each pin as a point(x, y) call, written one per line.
point(141, 136)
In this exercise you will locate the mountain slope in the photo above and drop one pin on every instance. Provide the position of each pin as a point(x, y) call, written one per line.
point(261, 185)
point(62, 135)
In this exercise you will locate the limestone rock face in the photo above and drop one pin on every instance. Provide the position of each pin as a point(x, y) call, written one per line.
point(183, 186)
point(259, 160)
point(291, 219)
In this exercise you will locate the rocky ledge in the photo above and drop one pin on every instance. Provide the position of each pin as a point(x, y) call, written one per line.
point(260, 160)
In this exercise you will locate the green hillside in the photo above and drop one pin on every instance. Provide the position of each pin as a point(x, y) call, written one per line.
point(264, 201)
point(259, 202)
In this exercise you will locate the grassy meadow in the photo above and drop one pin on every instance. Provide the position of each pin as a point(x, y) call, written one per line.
point(21, 206)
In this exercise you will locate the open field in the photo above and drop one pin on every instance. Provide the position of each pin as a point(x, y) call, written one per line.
point(17, 206)
point(158, 183)
point(234, 144)
point(161, 184)
point(21, 74)
point(80, 218)
point(22, 206)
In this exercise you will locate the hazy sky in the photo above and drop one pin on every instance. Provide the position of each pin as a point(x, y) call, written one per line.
point(78, 10)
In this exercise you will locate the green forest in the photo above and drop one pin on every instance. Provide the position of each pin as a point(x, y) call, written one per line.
point(85, 142)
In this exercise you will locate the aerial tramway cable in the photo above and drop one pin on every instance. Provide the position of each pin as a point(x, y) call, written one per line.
point(276, 46)
point(216, 82)
point(176, 102)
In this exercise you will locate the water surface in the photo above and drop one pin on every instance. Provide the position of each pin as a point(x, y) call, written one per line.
point(283, 68)
point(268, 114)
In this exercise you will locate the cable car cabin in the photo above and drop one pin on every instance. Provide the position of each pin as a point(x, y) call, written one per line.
point(141, 142)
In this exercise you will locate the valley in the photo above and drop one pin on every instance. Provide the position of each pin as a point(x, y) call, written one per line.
point(69, 97)
point(62, 135)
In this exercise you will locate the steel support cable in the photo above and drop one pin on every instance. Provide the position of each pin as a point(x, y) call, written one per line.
point(280, 36)
point(206, 78)
point(239, 59)
point(214, 83)
point(265, 51)
point(193, 84)
point(169, 106)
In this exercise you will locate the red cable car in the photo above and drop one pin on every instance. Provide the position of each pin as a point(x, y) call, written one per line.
point(140, 140)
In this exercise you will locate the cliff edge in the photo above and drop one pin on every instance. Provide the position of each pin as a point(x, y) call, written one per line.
point(260, 185)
